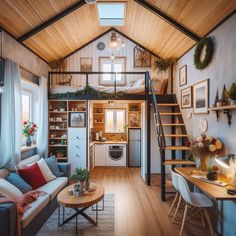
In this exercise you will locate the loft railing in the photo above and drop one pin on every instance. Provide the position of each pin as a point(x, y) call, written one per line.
point(88, 78)
point(159, 128)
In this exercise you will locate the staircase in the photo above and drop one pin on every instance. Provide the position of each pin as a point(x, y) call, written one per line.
point(173, 132)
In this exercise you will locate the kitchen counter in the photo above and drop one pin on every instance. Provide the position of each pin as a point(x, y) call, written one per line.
point(107, 142)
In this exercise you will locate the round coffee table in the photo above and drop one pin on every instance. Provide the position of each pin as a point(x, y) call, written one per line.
point(80, 203)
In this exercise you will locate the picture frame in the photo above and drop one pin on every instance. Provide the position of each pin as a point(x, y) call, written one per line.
point(201, 97)
point(77, 119)
point(142, 58)
point(186, 98)
point(86, 64)
point(183, 75)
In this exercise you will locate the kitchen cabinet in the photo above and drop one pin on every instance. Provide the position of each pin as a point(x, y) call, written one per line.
point(77, 148)
point(99, 154)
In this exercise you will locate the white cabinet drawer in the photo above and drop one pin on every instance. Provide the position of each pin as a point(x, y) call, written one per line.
point(77, 134)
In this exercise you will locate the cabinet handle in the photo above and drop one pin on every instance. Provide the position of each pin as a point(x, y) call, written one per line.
point(78, 147)
point(77, 156)
point(78, 138)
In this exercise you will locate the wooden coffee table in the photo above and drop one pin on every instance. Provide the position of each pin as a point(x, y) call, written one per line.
point(80, 203)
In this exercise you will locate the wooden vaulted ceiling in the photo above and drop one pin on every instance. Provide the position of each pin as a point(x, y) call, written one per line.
point(82, 25)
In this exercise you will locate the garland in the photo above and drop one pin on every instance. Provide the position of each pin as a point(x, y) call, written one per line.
point(87, 90)
point(208, 42)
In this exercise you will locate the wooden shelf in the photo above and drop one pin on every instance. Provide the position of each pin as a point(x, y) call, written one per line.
point(98, 122)
point(57, 121)
point(98, 113)
point(178, 148)
point(57, 145)
point(58, 138)
point(179, 162)
point(58, 129)
point(58, 112)
point(76, 111)
point(227, 110)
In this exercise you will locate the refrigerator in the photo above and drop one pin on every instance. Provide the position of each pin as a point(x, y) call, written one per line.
point(134, 147)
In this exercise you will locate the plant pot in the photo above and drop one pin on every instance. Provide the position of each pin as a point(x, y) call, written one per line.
point(212, 176)
point(28, 141)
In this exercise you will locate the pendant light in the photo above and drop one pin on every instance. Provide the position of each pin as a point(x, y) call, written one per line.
point(115, 43)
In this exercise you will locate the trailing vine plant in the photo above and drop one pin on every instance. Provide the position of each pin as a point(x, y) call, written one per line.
point(209, 44)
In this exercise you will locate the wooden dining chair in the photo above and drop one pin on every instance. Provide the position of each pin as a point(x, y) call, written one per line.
point(196, 200)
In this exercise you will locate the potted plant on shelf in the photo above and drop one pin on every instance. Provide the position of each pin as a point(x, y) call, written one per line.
point(29, 130)
point(204, 147)
point(162, 64)
point(232, 94)
point(80, 175)
point(212, 172)
point(62, 106)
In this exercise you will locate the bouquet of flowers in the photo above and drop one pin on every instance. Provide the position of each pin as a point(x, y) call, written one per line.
point(204, 147)
point(29, 128)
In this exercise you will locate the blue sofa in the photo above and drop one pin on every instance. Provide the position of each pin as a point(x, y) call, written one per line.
point(40, 210)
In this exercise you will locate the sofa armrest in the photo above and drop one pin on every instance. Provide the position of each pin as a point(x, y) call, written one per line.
point(8, 219)
point(65, 168)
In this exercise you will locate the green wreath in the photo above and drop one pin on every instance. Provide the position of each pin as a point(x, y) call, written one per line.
point(208, 42)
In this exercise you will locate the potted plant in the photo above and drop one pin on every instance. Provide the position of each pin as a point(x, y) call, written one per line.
point(212, 172)
point(162, 64)
point(62, 106)
point(80, 175)
point(29, 130)
point(232, 94)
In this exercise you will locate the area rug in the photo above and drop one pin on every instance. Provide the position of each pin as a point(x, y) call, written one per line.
point(105, 227)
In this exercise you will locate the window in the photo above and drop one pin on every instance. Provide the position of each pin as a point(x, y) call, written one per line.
point(116, 65)
point(114, 120)
point(29, 104)
point(111, 14)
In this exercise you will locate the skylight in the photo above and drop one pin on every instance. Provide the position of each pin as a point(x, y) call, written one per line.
point(111, 14)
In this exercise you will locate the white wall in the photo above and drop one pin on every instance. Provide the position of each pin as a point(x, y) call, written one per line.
point(21, 55)
point(222, 70)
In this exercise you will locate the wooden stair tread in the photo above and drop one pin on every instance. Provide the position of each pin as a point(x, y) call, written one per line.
point(170, 113)
point(179, 162)
point(172, 124)
point(177, 148)
point(167, 104)
point(175, 135)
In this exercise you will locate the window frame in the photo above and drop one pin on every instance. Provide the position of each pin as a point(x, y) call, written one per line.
point(115, 110)
point(112, 81)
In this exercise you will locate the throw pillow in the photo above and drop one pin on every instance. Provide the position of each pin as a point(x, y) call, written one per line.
point(18, 182)
point(139, 83)
point(9, 191)
point(47, 174)
point(33, 175)
point(53, 166)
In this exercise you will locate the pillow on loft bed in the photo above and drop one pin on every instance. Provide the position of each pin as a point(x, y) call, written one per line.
point(138, 83)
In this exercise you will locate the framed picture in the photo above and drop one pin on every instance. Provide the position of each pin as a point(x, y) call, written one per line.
point(183, 75)
point(77, 119)
point(142, 58)
point(186, 98)
point(86, 64)
point(201, 97)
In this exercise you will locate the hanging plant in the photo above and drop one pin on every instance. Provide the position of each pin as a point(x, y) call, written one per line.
point(162, 64)
point(209, 45)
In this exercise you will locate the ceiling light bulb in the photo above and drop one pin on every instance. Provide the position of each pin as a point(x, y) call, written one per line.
point(112, 56)
point(114, 43)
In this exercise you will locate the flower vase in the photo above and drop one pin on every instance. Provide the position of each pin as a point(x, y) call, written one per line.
point(204, 163)
point(28, 141)
point(82, 186)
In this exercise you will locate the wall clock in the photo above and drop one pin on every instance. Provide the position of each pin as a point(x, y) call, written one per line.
point(101, 46)
point(203, 125)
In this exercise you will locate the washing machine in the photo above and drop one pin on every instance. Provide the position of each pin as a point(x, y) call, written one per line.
point(116, 155)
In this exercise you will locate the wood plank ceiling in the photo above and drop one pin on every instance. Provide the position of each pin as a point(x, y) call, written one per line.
point(81, 26)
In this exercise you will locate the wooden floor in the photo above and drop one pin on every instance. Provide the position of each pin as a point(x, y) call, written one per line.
point(138, 208)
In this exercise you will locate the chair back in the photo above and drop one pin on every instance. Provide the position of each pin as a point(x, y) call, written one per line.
point(174, 177)
point(184, 189)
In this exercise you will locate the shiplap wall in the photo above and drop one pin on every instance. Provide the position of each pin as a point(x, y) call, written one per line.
point(73, 62)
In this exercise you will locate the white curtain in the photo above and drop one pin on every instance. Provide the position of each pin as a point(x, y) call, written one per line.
point(42, 134)
point(11, 120)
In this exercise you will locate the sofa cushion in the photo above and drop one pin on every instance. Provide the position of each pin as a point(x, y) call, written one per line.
point(18, 182)
point(33, 175)
point(53, 166)
point(35, 207)
point(47, 174)
point(9, 191)
point(28, 161)
point(53, 187)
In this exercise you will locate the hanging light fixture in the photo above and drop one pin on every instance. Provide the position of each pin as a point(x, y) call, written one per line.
point(91, 1)
point(1, 63)
point(115, 43)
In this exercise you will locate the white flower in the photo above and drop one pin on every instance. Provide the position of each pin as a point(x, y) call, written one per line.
point(212, 148)
point(200, 145)
point(209, 138)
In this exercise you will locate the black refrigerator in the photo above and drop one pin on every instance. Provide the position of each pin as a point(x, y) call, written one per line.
point(134, 147)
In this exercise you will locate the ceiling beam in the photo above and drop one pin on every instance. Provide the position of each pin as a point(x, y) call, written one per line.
point(135, 42)
point(106, 32)
point(51, 21)
point(169, 20)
